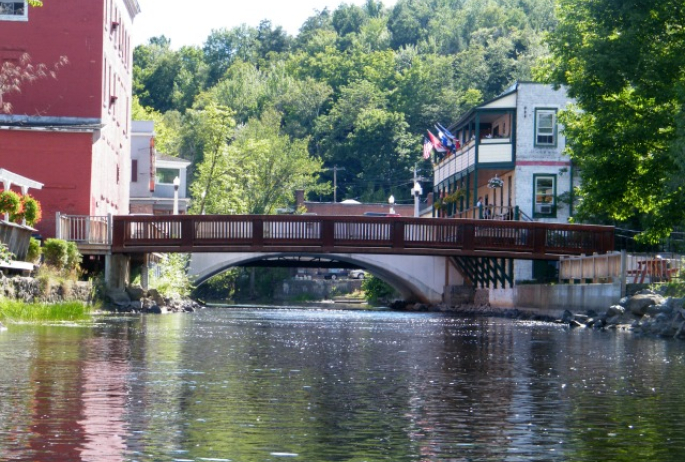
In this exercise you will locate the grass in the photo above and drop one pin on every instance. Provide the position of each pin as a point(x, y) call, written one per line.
point(13, 311)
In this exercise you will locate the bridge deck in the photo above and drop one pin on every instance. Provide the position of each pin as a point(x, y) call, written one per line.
point(378, 235)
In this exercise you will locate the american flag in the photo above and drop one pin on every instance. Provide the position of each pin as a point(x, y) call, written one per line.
point(427, 148)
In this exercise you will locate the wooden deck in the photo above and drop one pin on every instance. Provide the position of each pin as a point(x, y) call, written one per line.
point(378, 235)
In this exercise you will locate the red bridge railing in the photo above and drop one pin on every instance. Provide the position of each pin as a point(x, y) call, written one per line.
point(327, 234)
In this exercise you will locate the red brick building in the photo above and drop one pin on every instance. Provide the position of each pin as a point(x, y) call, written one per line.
point(71, 132)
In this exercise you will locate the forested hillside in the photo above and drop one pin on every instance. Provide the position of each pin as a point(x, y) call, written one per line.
point(261, 113)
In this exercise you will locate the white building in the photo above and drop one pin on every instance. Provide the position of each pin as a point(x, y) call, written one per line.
point(153, 175)
point(510, 155)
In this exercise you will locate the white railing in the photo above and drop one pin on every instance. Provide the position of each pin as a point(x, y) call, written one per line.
point(643, 268)
point(84, 229)
point(453, 164)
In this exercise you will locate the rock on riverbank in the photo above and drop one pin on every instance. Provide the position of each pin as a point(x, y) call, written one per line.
point(32, 290)
point(646, 312)
point(137, 300)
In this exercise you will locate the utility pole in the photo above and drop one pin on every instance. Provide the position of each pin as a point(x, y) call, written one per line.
point(335, 169)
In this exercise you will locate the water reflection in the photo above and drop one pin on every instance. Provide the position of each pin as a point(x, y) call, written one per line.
point(258, 385)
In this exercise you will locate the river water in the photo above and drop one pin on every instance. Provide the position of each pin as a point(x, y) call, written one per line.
point(323, 385)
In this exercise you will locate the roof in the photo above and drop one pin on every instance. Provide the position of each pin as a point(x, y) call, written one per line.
point(509, 91)
point(6, 175)
point(46, 123)
point(164, 158)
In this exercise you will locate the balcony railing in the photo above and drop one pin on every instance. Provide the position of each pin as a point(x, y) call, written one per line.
point(84, 229)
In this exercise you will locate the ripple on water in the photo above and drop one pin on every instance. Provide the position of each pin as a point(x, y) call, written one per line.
point(236, 385)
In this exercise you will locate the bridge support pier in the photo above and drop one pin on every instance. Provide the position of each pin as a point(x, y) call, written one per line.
point(117, 271)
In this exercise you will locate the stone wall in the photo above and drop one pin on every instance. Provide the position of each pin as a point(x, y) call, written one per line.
point(30, 290)
point(554, 299)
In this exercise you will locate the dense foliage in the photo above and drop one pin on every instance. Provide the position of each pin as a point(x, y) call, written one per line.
point(62, 255)
point(624, 63)
point(378, 291)
point(172, 279)
point(261, 112)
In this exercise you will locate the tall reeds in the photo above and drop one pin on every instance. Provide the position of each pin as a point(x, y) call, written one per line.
point(14, 311)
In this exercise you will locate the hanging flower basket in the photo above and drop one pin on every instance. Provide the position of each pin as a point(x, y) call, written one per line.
point(31, 210)
point(10, 202)
point(495, 182)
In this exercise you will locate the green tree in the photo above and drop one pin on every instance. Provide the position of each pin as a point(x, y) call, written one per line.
point(164, 79)
point(207, 134)
point(224, 46)
point(256, 172)
point(272, 165)
point(624, 63)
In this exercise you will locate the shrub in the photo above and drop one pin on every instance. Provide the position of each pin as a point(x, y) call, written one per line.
point(173, 279)
point(74, 257)
point(10, 202)
point(55, 253)
point(34, 251)
point(62, 255)
point(5, 254)
point(377, 291)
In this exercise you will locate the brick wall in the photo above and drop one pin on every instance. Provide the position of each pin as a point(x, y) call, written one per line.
point(54, 159)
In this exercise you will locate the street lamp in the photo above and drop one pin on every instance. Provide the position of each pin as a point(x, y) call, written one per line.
point(391, 201)
point(416, 191)
point(177, 183)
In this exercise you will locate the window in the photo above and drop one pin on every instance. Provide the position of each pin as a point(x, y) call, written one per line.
point(13, 10)
point(545, 127)
point(167, 175)
point(545, 190)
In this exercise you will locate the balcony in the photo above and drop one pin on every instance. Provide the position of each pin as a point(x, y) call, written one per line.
point(489, 151)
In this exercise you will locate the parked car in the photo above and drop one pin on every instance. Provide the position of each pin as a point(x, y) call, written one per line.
point(357, 274)
point(335, 273)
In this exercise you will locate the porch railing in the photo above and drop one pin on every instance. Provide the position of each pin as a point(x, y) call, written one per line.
point(493, 212)
point(84, 229)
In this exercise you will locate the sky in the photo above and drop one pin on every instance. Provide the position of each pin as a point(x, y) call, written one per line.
point(188, 22)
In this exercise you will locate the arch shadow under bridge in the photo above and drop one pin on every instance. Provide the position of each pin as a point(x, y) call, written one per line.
point(415, 277)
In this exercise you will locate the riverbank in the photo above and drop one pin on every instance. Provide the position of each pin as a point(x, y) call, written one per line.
point(137, 300)
point(647, 312)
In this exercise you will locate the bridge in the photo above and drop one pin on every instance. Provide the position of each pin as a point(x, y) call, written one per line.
point(418, 256)
point(294, 234)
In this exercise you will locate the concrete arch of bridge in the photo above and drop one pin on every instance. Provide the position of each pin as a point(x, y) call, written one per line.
point(415, 277)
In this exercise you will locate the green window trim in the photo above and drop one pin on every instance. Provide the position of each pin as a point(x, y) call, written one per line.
point(544, 195)
point(546, 127)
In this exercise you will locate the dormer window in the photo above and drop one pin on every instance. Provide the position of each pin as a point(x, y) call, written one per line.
point(13, 10)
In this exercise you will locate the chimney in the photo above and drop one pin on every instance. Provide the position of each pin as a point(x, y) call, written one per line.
point(299, 198)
